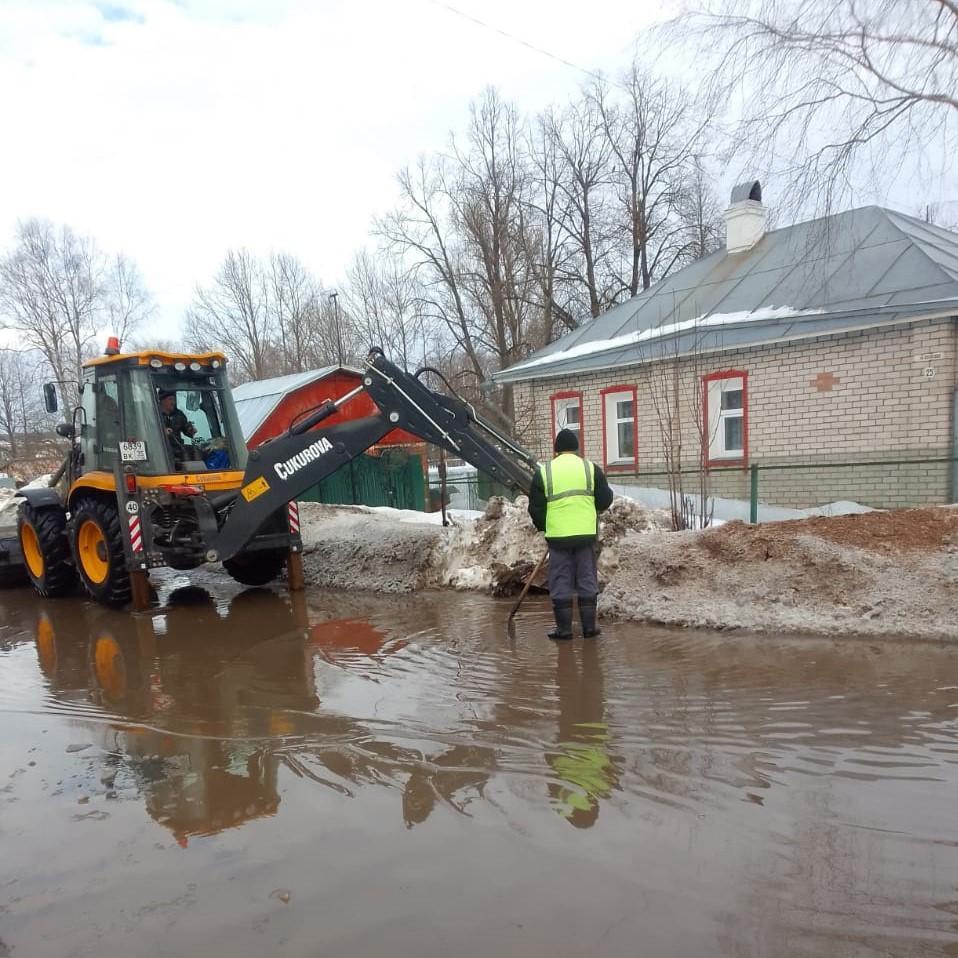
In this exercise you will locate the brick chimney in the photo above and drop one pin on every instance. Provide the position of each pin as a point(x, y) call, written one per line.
point(745, 217)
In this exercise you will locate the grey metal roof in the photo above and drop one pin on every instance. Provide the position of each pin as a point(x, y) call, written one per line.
point(256, 400)
point(862, 268)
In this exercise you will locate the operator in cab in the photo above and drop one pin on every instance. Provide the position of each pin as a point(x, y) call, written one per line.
point(175, 424)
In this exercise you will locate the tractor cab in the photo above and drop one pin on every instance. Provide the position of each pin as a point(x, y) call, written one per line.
point(157, 414)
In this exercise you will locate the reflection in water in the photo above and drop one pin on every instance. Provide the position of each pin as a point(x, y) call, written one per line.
point(786, 796)
point(581, 762)
point(201, 701)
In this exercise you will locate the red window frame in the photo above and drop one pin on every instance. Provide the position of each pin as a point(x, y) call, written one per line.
point(569, 394)
point(620, 466)
point(707, 445)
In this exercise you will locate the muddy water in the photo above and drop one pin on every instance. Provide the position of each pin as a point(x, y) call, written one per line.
point(237, 775)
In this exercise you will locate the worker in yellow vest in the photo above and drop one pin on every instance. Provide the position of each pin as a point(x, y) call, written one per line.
point(566, 498)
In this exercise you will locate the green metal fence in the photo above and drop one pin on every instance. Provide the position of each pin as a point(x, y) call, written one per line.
point(771, 489)
point(392, 479)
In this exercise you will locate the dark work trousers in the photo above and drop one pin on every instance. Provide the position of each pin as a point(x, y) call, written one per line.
point(572, 572)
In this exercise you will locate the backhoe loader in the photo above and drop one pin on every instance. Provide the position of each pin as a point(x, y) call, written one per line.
point(153, 481)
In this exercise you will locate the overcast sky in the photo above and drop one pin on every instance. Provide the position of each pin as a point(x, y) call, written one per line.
point(172, 130)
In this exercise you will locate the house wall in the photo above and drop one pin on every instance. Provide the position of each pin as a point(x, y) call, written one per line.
point(881, 405)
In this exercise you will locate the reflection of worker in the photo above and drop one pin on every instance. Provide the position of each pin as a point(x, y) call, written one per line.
point(174, 420)
point(584, 770)
point(566, 496)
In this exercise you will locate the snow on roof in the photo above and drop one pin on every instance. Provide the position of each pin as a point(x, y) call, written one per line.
point(255, 401)
point(666, 330)
point(853, 270)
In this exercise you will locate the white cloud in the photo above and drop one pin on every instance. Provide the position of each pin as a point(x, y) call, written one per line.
point(175, 130)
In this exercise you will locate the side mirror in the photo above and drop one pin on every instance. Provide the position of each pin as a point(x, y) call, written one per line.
point(66, 430)
point(50, 397)
point(192, 401)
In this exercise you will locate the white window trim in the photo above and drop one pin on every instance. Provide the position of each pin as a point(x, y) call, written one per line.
point(717, 417)
point(559, 408)
point(613, 454)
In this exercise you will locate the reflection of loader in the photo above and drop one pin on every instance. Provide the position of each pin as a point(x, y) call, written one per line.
point(200, 730)
point(138, 495)
point(193, 722)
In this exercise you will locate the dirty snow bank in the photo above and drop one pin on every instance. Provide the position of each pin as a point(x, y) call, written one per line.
point(388, 550)
point(9, 501)
point(878, 574)
point(351, 547)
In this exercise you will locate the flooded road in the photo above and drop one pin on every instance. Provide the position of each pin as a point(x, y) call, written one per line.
point(236, 774)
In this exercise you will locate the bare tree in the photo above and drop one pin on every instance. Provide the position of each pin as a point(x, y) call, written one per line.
point(50, 290)
point(655, 132)
point(584, 175)
point(61, 293)
point(418, 232)
point(127, 303)
point(233, 314)
point(832, 84)
point(549, 251)
point(676, 394)
point(385, 304)
point(294, 305)
point(700, 214)
point(22, 415)
point(943, 213)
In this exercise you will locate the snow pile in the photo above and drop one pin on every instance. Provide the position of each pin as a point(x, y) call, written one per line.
point(390, 550)
point(727, 510)
point(871, 573)
point(8, 505)
point(353, 547)
point(9, 500)
point(501, 545)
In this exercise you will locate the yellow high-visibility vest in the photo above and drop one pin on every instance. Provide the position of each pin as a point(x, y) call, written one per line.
point(569, 483)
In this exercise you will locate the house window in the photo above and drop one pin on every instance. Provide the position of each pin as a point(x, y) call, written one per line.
point(726, 415)
point(567, 414)
point(619, 422)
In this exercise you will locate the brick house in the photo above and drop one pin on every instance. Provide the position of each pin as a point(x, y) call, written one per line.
point(829, 347)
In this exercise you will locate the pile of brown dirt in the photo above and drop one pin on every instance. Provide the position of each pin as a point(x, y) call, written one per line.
point(887, 533)
point(881, 573)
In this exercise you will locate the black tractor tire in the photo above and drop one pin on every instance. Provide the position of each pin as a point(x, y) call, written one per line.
point(46, 550)
point(99, 553)
point(256, 568)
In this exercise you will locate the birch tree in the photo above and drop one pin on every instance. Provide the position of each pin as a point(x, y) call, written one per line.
point(836, 91)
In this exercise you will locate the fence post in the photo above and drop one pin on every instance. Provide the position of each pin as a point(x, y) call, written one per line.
point(753, 493)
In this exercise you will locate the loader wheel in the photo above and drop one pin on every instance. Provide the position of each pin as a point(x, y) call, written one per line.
point(99, 554)
point(46, 551)
point(256, 568)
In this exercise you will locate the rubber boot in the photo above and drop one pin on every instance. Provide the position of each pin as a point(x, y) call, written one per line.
point(587, 614)
point(562, 610)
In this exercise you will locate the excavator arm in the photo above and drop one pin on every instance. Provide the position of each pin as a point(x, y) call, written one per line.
point(283, 468)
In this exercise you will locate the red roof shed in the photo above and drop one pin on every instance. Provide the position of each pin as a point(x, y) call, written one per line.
point(267, 407)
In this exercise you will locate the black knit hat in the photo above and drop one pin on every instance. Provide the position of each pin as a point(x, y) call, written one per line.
point(163, 393)
point(566, 441)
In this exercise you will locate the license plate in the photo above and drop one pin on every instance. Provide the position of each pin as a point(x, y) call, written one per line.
point(133, 451)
